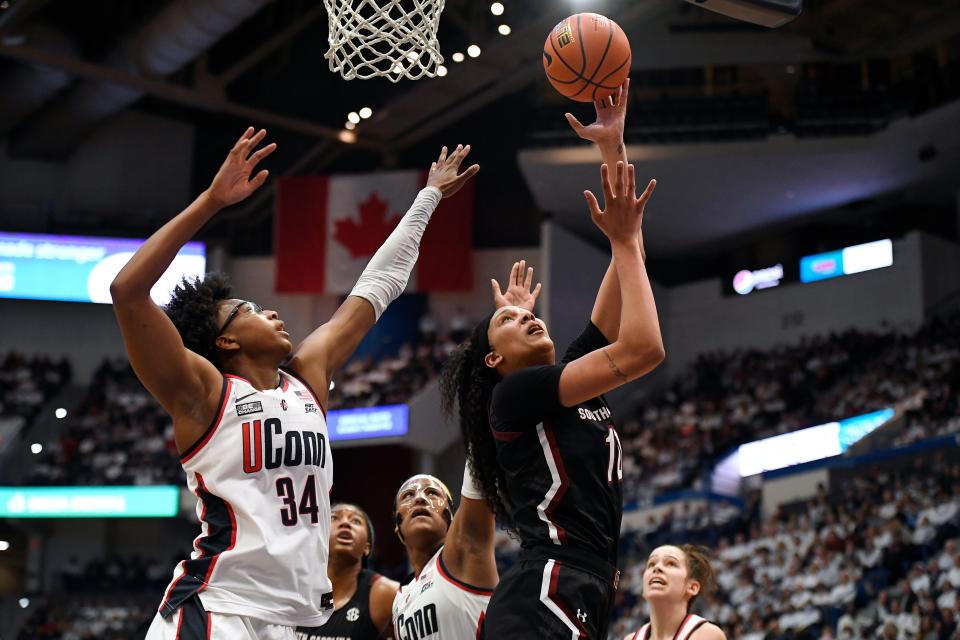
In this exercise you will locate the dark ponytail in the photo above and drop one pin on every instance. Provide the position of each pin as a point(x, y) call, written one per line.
point(468, 382)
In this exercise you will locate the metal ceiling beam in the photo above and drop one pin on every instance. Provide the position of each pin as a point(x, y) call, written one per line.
point(207, 101)
point(281, 38)
point(19, 12)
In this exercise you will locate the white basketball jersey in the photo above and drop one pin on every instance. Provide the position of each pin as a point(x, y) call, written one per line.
point(689, 624)
point(262, 474)
point(437, 606)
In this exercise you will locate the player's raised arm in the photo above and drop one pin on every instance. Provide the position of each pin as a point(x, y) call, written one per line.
point(468, 548)
point(607, 132)
point(383, 280)
point(638, 348)
point(185, 383)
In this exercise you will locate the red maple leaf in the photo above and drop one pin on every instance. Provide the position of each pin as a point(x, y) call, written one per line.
point(365, 238)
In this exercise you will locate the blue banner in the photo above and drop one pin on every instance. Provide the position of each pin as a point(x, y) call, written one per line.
point(89, 502)
point(369, 422)
point(80, 269)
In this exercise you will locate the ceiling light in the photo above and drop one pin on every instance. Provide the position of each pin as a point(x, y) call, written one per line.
point(473, 51)
point(457, 57)
point(24, 603)
point(36, 448)
point(61, 413)
point(348, 137)
point(496, 9)
point(4, 545)
point(441, 71)
point(504, 29)
point(366, 112)
point(353, 117)
point(349, 126)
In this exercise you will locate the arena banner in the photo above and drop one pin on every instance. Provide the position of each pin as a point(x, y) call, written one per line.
point(328, 227)
point(161, 501)
point(80, 268)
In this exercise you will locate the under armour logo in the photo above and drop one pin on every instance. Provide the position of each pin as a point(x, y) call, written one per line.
point(581, 616)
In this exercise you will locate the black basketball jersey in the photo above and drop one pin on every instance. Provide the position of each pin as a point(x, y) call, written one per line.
point(351, 621)
point(563, 465)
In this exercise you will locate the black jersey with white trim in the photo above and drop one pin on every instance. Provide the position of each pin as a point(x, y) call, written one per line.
point(563, 465)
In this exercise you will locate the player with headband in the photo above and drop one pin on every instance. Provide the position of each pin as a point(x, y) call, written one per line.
point(454, 570)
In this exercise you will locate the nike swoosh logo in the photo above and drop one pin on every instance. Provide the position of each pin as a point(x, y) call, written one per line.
point(252, 393)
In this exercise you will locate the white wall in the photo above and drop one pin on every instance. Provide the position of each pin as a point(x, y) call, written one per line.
point(797, 486)
point(136, 165)
point(700, 318)
point(941, 271)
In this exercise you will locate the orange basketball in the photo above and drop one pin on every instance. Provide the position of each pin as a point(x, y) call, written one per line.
point(586, 57)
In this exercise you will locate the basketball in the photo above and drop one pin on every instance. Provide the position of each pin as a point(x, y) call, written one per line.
point(586, 57)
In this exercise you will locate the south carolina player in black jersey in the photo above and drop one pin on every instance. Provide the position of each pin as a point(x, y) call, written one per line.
point(362, 599)
point(673, 579)
point(542, 437)
point(452, 556)
point(258, 568)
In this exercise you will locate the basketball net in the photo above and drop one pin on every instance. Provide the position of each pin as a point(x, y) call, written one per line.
point(393, 39)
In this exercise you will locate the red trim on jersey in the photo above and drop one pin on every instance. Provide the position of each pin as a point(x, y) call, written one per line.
point(166, 594)
point(554, 596)
point(564, 481)
point(195, 448)
point(284, 383)
point(209, 625)
point(179, 624)
point(636, 636)
point(463, 586)
point(483, 616)
point(505, 436)
point(680, 628)
point(233, 527)
point(306, 385)
point(695, 627)
point(241, 378)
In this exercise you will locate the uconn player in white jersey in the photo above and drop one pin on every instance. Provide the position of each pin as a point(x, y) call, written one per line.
point(672, 581)
point(452, 556)
point(252, 437)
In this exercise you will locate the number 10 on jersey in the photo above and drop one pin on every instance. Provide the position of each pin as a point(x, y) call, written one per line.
point(616, 455)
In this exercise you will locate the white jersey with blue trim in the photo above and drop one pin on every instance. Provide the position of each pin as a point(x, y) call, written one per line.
point(262, 474)
point(435, 605)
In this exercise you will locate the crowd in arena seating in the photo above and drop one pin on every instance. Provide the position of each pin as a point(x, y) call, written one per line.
point(26, 382)
point(119, 435)
point(725, 399)
point(877, 558)
point(105, 616)
point(366, 382)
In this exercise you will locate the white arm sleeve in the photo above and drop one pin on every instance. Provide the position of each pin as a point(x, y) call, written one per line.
point(469, 488)
point(387, 273)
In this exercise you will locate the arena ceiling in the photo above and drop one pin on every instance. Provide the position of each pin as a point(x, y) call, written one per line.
point(268, 66)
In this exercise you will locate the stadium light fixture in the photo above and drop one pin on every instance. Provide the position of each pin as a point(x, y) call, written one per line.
point(36, 448)
point(473, 51)
point(366, 112)
point(496, 9)
point(504, 29)
point(24, 603)
point(61, 413)
point(4, 545)
point(457, 57)
point(353, 117)
point(441, 71)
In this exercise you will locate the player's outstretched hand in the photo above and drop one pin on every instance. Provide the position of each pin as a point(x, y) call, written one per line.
point(232, 182)
point(622, 218)
point(444, 172)
point(518, 293)
point(611, 116)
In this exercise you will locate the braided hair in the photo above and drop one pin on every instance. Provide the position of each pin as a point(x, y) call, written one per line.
point(468, 382)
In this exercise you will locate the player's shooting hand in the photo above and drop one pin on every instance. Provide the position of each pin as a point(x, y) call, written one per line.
point(622, 218)
point(518, 293)
point(444, 172)
point(611, 116)
point(232, 182)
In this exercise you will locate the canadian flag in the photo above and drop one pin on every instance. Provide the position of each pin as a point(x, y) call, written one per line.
point(328, 227)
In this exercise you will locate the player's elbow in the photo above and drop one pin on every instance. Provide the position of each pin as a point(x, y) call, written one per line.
point(646, 354)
